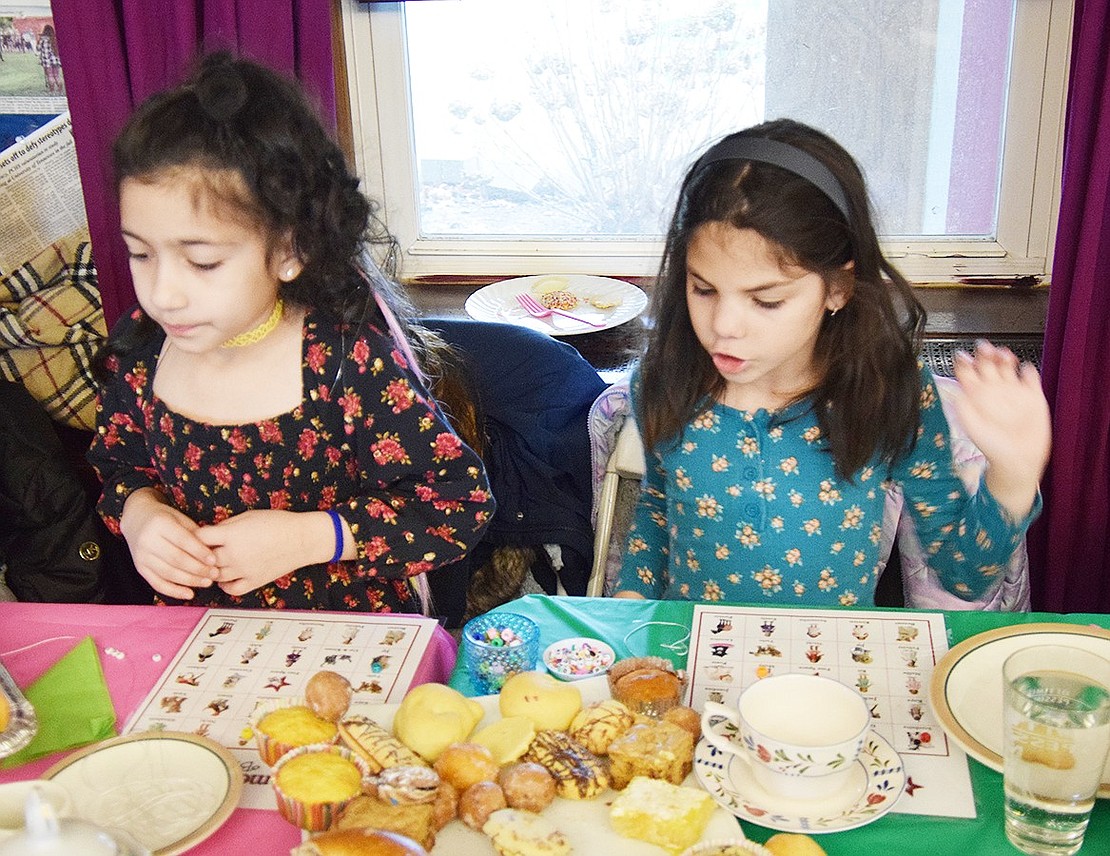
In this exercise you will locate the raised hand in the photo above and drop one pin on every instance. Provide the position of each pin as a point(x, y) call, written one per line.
point(1004, 412)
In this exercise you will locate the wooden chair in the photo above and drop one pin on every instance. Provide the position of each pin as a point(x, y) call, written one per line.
point(618, 457)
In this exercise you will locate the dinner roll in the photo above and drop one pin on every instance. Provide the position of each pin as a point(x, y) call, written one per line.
point(359, 842)
point(793, 844)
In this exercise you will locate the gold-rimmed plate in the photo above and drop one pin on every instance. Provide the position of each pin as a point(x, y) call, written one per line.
point(170, 790)
point(966, 691)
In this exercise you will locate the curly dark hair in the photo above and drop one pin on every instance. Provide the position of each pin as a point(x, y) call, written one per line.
point(866, 354)
point(233, 118)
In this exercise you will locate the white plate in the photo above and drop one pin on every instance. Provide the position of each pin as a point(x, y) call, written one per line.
point(585, 823)
point(170, 790)
point(578, 658)
point(497, 302)
point(877, 782)
point(966, 689)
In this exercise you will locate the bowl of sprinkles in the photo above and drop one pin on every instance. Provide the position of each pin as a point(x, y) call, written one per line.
point(497, 645)
point(578, 658)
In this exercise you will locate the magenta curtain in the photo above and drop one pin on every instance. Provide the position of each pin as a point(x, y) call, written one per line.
point(1070, 544)
point(117, 52)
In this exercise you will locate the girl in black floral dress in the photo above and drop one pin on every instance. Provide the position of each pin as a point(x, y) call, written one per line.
point(264, 434)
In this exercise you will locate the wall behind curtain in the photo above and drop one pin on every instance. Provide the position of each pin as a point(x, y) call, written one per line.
point(117, 52)
point(1069, 547)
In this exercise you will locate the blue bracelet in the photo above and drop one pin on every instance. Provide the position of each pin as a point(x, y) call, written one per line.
point(337, 524)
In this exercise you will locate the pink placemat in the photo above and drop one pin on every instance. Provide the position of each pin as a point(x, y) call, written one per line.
point(135, 643)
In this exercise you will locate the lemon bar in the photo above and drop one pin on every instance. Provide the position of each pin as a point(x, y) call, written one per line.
point(652, 810)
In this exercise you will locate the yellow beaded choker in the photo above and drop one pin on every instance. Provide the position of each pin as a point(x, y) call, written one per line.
point(261, 331)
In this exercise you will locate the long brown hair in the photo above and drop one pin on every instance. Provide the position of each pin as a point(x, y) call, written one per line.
point(867, 400)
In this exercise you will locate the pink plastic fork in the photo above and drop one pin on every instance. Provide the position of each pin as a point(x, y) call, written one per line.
point(537, 310)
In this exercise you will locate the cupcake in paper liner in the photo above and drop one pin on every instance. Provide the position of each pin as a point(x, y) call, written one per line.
point(314, 783)
point(647, 685)
point(281, 725)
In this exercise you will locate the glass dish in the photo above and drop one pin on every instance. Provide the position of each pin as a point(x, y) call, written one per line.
point(22, 723)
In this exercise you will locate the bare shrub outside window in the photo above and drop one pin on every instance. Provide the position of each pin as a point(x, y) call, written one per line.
point(577, 118)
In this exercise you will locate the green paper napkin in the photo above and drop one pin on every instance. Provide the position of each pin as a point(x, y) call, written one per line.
point(72, 705)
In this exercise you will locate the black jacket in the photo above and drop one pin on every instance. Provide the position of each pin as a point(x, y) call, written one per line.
point(51, 540)
point(535, 393)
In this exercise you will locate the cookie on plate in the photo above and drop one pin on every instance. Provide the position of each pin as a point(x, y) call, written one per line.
point(522, 833)
point(578, 773)
point(598, 724)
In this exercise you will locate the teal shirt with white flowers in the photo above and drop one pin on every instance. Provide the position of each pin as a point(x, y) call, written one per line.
point(747, 507)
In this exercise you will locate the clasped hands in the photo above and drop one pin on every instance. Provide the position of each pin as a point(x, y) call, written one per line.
point(176, 555)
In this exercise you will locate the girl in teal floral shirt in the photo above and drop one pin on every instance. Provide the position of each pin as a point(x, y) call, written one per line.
point(781, 395)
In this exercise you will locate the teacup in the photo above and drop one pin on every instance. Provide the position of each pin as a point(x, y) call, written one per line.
point(800, 734)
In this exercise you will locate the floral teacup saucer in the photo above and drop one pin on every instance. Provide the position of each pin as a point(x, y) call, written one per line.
point(875, 785)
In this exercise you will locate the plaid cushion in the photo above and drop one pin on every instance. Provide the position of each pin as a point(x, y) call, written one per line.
point(51, 325)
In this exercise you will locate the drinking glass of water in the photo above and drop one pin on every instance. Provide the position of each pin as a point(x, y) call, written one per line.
point(1056, 742)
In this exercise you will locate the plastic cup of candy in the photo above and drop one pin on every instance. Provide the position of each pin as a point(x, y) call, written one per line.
point(497, 645)
point(578, 658)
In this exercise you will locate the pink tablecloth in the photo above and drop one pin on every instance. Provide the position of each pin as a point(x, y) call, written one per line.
point(34, 636)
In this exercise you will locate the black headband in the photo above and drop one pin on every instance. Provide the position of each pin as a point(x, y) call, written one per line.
point(784, 156)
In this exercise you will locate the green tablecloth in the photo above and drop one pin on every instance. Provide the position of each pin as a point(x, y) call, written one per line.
point(615, 620)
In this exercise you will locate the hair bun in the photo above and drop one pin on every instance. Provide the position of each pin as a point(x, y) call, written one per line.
point(220, 88)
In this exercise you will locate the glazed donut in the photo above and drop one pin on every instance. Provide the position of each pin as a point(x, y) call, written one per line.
point(527, 786)
point(478, 802)
point(328, 695)
point(465, 764)
point(685, 717)
point(446, 806)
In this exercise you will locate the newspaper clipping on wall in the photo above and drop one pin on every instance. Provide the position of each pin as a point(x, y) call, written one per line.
point(40, 193)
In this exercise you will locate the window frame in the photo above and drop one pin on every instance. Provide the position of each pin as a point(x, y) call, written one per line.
point(1029, 196)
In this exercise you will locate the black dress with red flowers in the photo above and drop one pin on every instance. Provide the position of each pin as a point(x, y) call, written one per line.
point(373, 446)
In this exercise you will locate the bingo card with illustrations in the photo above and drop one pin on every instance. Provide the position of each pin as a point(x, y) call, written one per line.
point(237, 658)
point(887, 656)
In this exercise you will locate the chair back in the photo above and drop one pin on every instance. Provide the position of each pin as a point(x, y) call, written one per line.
point(616, 455)
point(921, 585)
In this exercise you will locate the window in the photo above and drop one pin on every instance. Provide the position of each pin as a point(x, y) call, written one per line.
point(512, 138)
